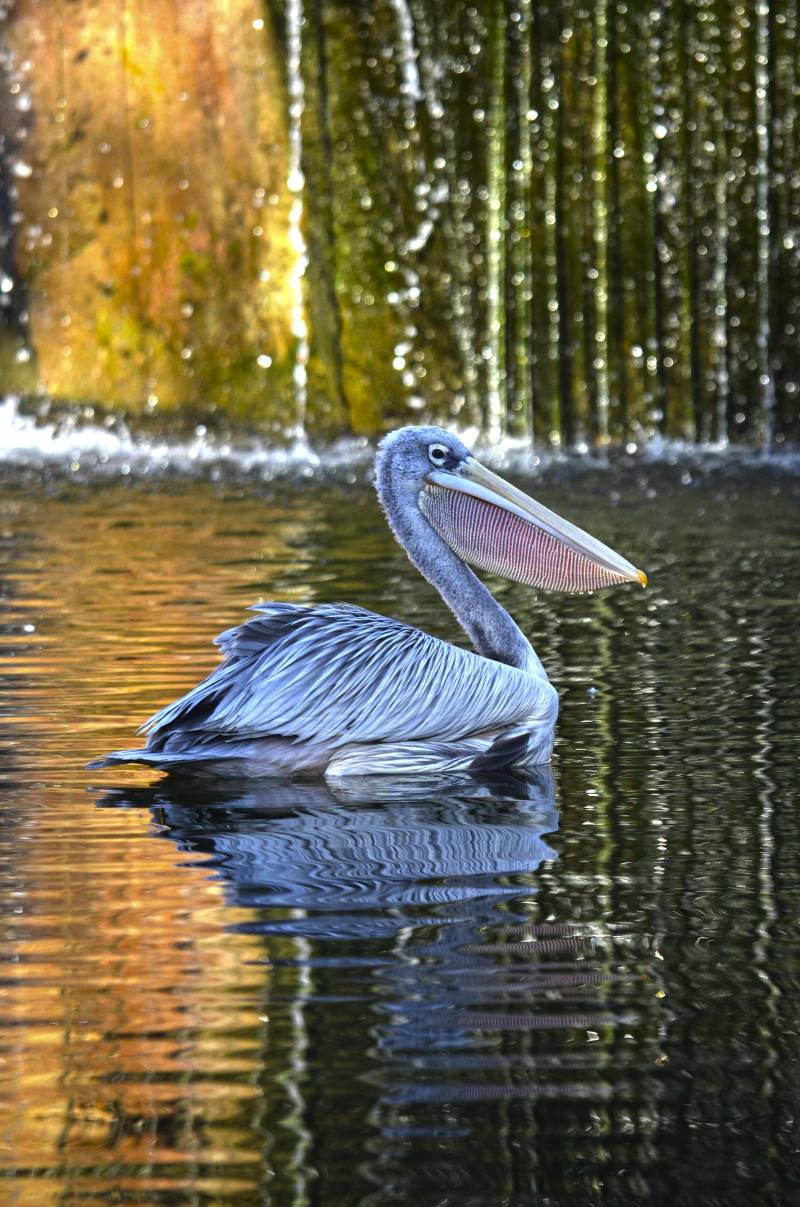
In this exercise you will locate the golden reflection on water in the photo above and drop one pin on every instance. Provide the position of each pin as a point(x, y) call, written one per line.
point(120, 1004)
point(131, 1021)
point(122, 586)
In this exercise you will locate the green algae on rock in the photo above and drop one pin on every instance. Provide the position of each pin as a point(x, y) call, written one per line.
point(573, 221)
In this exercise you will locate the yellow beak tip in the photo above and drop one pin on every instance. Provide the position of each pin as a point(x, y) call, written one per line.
point(642, 577)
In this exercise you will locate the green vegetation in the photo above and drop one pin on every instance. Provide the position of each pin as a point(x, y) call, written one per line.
point(572, 220)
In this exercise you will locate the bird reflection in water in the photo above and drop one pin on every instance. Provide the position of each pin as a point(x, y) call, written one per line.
point(364, 844)
point(403, 918)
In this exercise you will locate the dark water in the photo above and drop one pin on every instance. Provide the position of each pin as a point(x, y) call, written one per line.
point(580, 988)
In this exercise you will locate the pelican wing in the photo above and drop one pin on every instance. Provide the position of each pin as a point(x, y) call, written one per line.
point(336, 674)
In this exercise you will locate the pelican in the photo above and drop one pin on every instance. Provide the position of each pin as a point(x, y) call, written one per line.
point(337, 690)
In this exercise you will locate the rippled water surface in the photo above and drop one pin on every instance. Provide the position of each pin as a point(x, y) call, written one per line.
point(580, 988)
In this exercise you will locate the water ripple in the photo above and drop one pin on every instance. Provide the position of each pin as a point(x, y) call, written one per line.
point(573, 986)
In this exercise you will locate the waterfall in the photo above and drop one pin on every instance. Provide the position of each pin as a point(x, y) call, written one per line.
point(720, 295)
point(495, 234)
point(601, 150)
point(425, 213)
point(521, 404)
point(296, 186)
point(410, 86)
point(764, 254)
point(569, 224)
point(458, 195)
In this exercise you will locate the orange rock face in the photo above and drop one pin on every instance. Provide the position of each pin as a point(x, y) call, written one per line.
point(149, 158)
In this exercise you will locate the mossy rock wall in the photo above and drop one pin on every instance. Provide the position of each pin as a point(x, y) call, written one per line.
point(568, 220)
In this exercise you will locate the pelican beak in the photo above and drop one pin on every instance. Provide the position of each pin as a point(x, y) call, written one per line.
point(496, 527)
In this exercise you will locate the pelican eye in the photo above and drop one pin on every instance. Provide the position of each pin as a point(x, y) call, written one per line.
point(437, 454)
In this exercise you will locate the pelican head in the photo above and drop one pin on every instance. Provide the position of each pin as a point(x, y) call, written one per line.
point(486, 521)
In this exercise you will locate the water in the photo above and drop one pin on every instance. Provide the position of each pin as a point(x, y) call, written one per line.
point(577, 988)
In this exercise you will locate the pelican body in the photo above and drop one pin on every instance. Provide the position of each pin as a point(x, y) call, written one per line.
point(337, 690)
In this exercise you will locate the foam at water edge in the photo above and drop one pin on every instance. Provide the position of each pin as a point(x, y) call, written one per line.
point(91, 449)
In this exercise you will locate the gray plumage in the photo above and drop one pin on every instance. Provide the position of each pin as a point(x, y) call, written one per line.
point(343, 691)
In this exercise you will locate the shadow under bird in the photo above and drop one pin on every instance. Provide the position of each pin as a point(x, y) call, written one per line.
point(339, 690)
